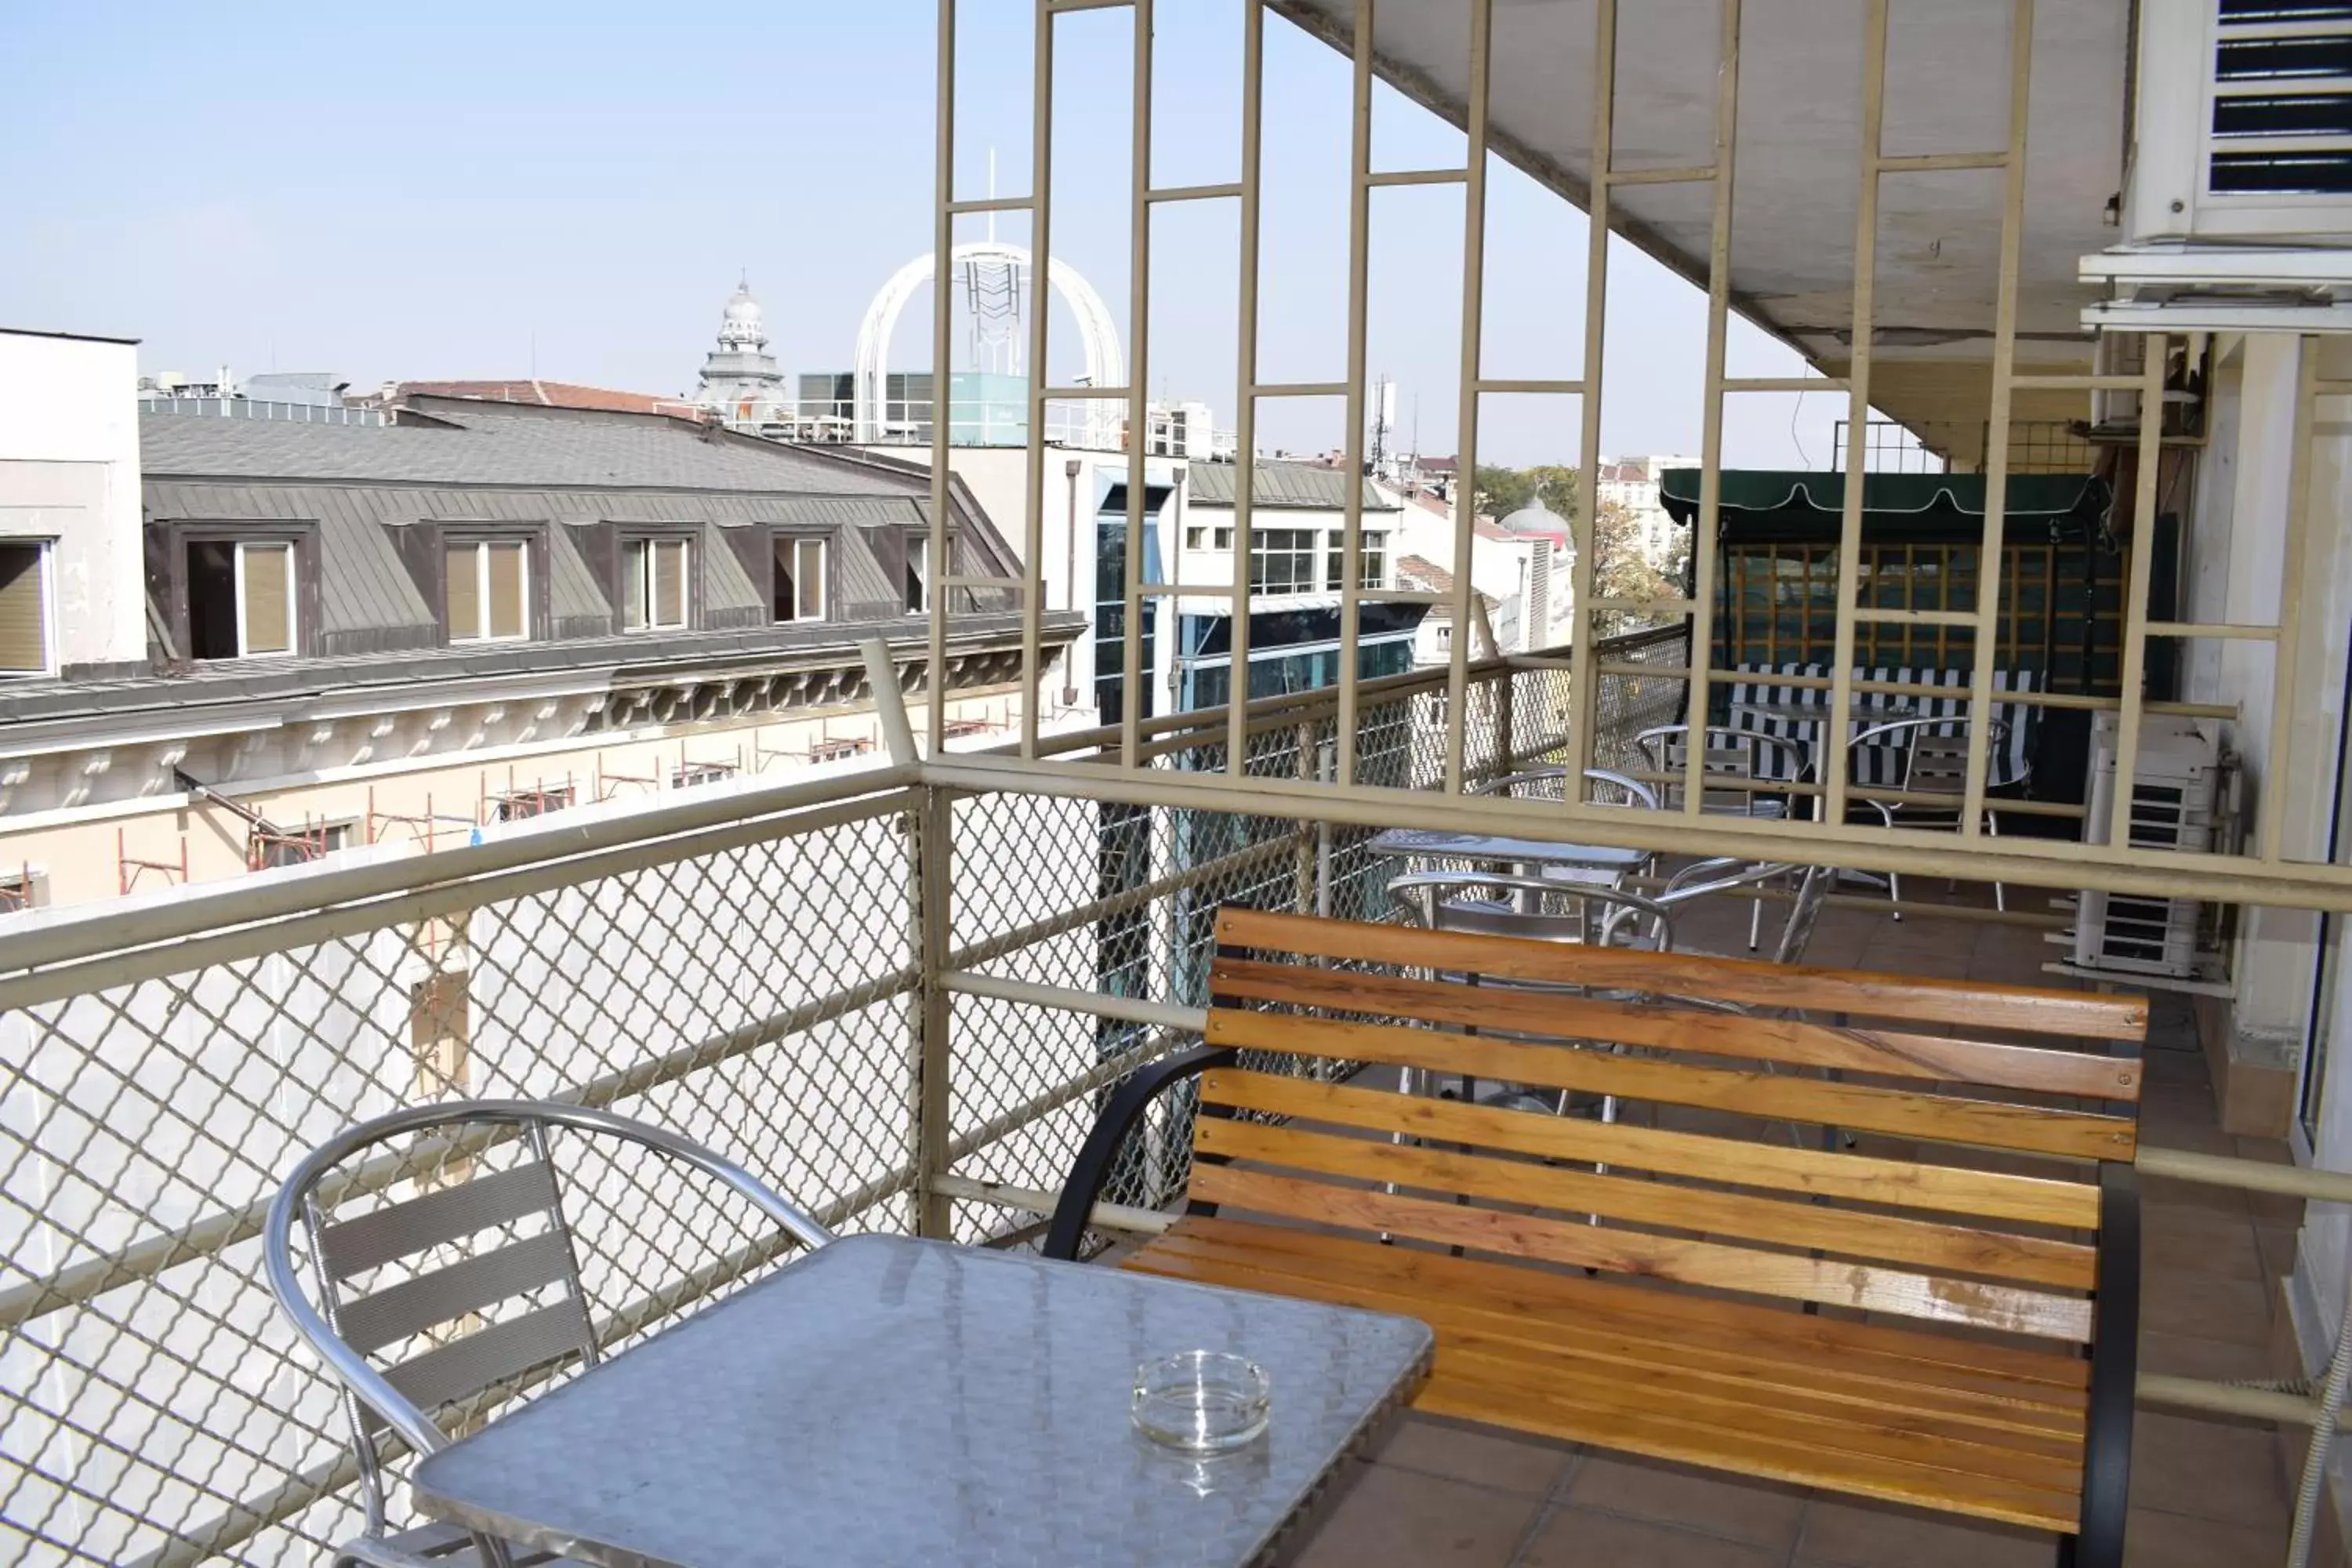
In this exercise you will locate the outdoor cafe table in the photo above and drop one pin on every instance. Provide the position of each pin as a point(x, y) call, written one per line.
point(888, 1401)
point(1426, 843)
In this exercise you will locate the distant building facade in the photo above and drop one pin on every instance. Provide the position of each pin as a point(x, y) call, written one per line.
point(1631, 483)
point(265, 642)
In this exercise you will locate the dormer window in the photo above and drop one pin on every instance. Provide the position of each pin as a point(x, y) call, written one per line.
point(652, 585)
point(489, 588)
point(241, 598)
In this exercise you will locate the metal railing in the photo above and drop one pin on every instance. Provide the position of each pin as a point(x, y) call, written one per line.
point(896, 999)
point(838, 983)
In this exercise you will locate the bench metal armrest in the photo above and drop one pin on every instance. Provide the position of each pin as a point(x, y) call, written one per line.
point(1092, 1168)
point(2115, 1368)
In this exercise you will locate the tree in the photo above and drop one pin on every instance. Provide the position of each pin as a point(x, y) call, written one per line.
point(1499, 491)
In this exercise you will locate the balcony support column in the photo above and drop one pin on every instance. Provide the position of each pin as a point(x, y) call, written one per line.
point(930, 868)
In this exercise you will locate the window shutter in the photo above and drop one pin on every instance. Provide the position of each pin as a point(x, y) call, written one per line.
point(268, 597)
point(23, 618)
point(465, 594)
point(809, 578)
point(669, 583)
point(636, 573)
point(506, 617)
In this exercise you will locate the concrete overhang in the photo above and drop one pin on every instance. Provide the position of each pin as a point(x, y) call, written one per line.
point(1798, 161)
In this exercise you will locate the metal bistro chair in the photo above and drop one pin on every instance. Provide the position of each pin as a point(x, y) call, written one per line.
point(443, 1310)
point(1732, 756)
point(1557, 912)
point(1550, 782)
point(1935, 755)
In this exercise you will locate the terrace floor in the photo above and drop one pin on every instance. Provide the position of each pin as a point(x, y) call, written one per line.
point(2206, 1493)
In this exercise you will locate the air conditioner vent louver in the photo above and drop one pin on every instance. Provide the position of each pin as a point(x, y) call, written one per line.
point(2175, 791)
point(2280, 89)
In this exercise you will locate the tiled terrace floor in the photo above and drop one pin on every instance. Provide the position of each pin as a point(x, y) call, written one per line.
point(2206, 1493)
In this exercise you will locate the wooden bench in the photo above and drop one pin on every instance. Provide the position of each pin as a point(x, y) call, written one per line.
point(1931, 1295)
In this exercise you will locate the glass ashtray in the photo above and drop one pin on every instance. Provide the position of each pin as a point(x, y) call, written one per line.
point(1202, 1401)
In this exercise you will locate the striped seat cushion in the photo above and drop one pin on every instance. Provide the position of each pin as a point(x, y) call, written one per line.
point(1880, 760)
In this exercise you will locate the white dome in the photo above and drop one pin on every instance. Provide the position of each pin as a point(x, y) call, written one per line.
point(1537, 518)
point(744, 322)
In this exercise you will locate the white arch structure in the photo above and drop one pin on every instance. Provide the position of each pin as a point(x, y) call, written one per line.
point(1098, 335)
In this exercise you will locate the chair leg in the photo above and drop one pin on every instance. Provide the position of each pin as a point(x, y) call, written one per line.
point(1755, 922)
point(2000, 893)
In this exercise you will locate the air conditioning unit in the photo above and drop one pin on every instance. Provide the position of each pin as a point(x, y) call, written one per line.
point(2237, 206)
point(2176, 793)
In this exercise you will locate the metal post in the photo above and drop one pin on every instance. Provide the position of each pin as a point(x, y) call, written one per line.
point(1835, 729)
point(1465, 462)
point(2271, 835)
point(1710, 484)
point(942, 403)
point(2142, 556)
point(1041, 198)
point(1360, 221)
point(1246, 415)
point(1987, 634)
point(931, 865)
point(1132, 687)
point(1583, 678)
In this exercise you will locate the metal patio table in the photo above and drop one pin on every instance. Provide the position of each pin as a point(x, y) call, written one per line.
point(1571, 859)
point(888, 1401)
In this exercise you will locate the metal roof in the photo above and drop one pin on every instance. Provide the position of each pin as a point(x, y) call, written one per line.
point(494, 447)
point(1304, 486)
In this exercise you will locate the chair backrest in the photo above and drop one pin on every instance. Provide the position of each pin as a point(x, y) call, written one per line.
point(485, 1284)
point(1934, 753)
point(1728, 753)
point(1541, 908)
point(1872, 1228)
point(1550, 782)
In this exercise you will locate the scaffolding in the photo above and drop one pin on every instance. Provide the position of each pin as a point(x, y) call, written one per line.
point(608, 786)
point(267, 845)
point(423, 828)
point(690, 772)
point(128, 870)
point(519, 803)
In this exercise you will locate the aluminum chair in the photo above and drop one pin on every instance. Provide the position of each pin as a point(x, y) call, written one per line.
point(1609, 788)
point(1731, 755)
point(1703, 878)
point(441, 1307)
point(1934, 762)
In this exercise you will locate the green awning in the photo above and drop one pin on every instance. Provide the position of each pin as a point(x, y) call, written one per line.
point(1771, 506)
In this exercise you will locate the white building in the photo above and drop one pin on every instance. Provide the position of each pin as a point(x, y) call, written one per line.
point(1518, 565)
point(72, 602)
point(1631, 483)
point(741, 381)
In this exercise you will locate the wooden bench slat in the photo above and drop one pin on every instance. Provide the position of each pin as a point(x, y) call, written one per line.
point(2040, 1068)
point(1719, 1215)
point(1757, 1369)
point(1705, 1263)
point(1567, 1298)
point(1925, 1442)
point(1991, 1194)
point(1913, 999)
point(1780, 1098)
point(1662, 1437)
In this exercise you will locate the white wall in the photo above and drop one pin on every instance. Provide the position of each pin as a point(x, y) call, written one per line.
point(69, 472)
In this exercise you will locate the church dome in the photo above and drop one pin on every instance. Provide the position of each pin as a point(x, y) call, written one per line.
point(744, 324)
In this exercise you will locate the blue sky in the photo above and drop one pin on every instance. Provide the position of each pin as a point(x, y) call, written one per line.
point(435, 190)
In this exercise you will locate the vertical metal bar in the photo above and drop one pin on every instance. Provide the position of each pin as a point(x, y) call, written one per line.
point(1710, 486)
point(1351, 537)
point(1132, 683)
point(1465, 462)
point(1583, 680)
point(942, 407)
point(2143, 559)
point(2269, 836)
point(1833, 764)
point(932, 862)
point(1246, 416)
point(2004, 364)
point(1033, 534)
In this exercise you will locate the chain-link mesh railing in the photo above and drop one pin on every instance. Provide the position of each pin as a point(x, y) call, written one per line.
point(753, 997)
point(750, 980)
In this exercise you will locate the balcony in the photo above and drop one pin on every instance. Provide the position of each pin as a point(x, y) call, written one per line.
point(899, 997)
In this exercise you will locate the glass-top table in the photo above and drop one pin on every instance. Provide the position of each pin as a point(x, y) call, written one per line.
point(1435, 845)
point(886, 1401)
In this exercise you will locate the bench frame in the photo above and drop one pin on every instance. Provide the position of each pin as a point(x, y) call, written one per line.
point(2098, 1541)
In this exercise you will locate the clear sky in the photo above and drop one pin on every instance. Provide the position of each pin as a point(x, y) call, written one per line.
point(433, 190)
